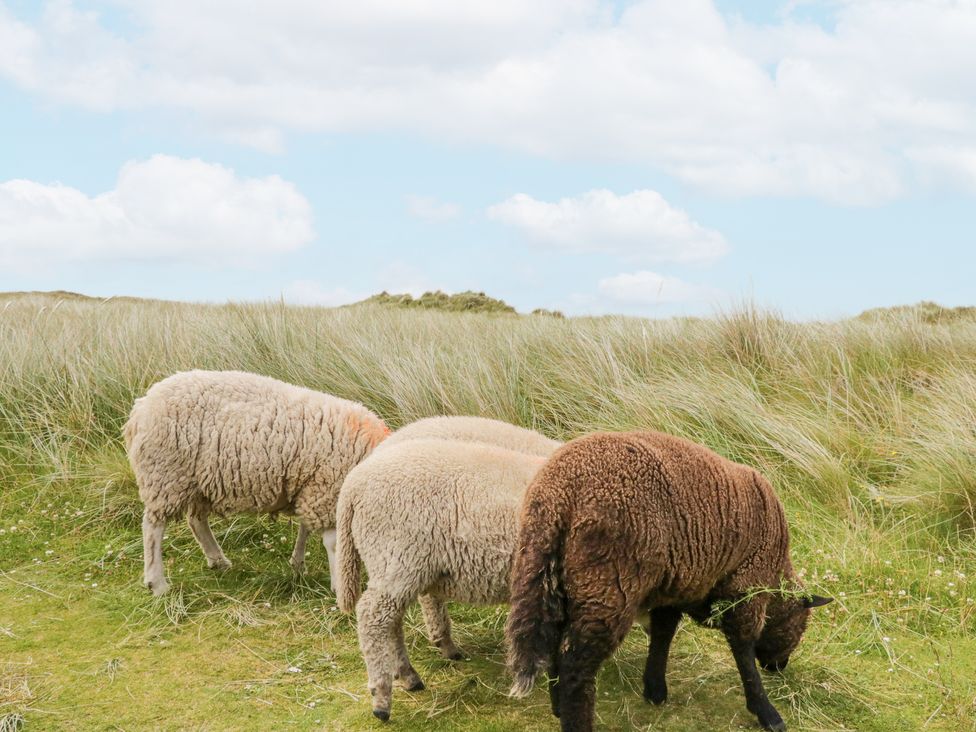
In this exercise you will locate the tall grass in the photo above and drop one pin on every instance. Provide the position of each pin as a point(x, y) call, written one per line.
point(840, 415)
point(866, 427)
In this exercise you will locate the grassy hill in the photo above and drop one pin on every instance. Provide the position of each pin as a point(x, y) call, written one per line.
point(468, 301)
point(866, 427)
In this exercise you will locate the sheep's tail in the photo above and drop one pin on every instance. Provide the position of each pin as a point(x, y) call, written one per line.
point(537, 616)
point(130, 429)
point(349, 582)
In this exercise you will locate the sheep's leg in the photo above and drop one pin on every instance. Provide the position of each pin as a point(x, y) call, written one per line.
point(576, 684)
point(739, 626)
point(196, 517)
point(378, 617)
point(554, 684)
point(661, 629)
point(329, 542)
point(406, 673)
point(152, 546)
point(590, 639)
point(439, 626)
point(298, 554)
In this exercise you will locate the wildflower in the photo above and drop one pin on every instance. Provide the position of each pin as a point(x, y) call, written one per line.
point(294, 670)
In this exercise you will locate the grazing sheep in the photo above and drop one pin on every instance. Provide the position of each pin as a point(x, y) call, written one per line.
point(230, 441)
point(616, 525)
point(476, 429)
point(428, 517)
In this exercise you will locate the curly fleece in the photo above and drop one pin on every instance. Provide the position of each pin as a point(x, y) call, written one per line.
point(230, 441)
point(426, 517)
point(616, 525)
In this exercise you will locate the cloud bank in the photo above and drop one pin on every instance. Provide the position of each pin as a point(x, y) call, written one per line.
point(641, 226)
point(161, 208)
point(858, 110)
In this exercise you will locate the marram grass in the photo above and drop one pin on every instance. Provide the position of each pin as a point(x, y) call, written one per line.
point(867, 428)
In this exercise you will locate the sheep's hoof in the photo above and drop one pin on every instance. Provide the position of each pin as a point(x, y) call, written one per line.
point(298, 568)
point(416, 685)
point(656, 695)
point(772, 722)
point(382, 714)
point(219, 564)
point(158, 588)
point(451, 652)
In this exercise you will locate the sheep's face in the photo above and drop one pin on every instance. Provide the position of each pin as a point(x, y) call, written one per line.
point(786, 620)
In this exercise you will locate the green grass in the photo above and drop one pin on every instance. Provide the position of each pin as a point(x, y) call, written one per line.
point(867, 428)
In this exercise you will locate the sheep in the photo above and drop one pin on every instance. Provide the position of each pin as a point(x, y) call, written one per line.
point(429, 518)
point(476, 429)
point(203, 442)
point(640, 522)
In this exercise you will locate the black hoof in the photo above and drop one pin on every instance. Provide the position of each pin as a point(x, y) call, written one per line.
point(656, 699)
point(382, 715)
point(418, 685)
point(456, 656)
point(774, 724)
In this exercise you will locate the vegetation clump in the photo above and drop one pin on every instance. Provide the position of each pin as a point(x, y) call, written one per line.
point(925, 311)
point(467, 301)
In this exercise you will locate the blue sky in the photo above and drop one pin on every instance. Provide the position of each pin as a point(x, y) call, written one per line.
point(649, 158)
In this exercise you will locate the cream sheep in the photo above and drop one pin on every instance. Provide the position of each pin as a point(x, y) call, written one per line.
point(476, 429)
point(427, 517)
point(230, 441)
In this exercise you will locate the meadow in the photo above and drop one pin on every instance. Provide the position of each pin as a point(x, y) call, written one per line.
point(866, 427)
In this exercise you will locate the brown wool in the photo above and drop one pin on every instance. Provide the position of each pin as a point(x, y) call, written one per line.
point(618, 525)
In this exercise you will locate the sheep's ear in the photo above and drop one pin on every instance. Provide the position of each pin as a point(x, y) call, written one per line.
point(816, 601)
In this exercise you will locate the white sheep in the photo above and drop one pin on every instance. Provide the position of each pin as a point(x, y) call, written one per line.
point(476, 429)
point(222, 442)
point(427, 517)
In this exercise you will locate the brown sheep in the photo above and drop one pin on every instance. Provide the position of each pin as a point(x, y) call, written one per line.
point(618, 525)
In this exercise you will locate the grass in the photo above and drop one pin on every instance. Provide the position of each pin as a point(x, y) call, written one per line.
point(866, 427)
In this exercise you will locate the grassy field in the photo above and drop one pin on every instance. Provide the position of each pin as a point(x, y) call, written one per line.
point(867, 428)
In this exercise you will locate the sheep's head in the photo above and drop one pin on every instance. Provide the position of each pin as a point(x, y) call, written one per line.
point(786, 620)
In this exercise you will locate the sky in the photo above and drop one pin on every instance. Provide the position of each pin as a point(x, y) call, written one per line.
point(649, 158)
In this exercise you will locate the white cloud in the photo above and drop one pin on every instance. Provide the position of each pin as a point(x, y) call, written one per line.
point(790, 108)
point(309, 292)
point(161, 208)
point(651, 288)
point(956, 165)
point(397, 277)
point(641, 226)
point(430, 209)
